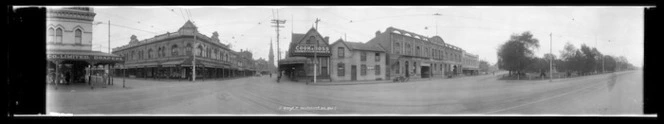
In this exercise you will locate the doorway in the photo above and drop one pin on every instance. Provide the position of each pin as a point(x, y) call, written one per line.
point(406, 71)
point(353, 72)
point(425, 71)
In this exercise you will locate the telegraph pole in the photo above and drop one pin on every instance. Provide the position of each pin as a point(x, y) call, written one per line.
point(277, 25)
point(109, 36)
point(551, 59)
point(317, 20)
point(315, 54)
point(193, 73)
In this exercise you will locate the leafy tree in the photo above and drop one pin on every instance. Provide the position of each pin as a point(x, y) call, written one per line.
point(588, 61)
point(517, 53)
point(484, 66)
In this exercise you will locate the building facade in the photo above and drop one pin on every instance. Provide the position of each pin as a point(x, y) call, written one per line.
point(174, 55)
point(308, 55)
point(70, 58)
point(471, 64)
point(353, 61)
point(417, 56)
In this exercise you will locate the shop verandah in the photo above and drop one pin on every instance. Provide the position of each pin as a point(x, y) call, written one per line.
point(80, 67)
point(182, 70)
point(302, 69)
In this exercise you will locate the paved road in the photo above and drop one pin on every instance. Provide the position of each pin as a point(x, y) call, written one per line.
point(615, 93)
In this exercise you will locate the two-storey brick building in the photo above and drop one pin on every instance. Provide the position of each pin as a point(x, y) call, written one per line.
point(70, 58)
point(357, 61)
point(417, 56)
point(172, 55)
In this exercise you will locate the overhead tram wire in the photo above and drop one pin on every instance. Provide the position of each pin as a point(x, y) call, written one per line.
point(131, 20)
point(342, 33)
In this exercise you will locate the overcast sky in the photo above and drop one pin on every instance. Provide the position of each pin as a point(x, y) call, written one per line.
point(478, 30)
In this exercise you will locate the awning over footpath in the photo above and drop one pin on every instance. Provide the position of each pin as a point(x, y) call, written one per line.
point(293, 60)
point(83, 55)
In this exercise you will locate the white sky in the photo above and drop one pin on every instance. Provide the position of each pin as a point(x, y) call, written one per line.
point(478, 30)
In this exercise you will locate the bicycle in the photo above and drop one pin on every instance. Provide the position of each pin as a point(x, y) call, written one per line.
point(401, 79)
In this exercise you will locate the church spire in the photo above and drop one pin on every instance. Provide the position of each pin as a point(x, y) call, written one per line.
point(271, 55)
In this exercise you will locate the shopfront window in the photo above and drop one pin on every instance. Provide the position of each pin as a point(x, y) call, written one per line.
point(363, 69)
point(377, 69)
point(396, 69)
point(341, 69)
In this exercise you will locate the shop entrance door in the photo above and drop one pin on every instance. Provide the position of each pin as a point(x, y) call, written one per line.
point(353, 72)
point(425, 71)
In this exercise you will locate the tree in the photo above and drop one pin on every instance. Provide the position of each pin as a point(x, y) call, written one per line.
point(517, 53)
point(589, 60)
point(484, 66)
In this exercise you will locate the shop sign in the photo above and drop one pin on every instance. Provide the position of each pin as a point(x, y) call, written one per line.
point(83, 57)
point(304, 48)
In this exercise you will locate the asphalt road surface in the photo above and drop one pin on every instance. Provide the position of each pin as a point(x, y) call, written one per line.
point(605, 94)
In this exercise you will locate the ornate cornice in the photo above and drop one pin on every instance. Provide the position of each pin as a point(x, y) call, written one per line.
point(71, 14)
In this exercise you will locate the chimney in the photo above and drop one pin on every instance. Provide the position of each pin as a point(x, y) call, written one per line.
point(377, 33)
point(327, 39)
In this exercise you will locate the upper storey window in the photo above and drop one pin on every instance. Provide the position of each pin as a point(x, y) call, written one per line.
point(51, 34)
point(58, 35)
point(77, 36)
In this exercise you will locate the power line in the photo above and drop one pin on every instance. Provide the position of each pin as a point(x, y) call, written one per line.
point(131, 20)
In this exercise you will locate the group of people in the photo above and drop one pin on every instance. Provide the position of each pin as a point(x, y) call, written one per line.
point(68, 77)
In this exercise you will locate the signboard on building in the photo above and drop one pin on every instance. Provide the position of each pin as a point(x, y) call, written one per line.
point(82, 57)
point(307, 48)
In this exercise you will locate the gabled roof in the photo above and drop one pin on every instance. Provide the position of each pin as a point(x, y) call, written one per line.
point(296, 37)
point(359, 46)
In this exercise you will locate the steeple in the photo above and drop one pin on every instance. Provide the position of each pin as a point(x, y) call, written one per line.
point(271, 55)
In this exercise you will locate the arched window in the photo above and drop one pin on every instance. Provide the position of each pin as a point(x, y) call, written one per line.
point(51, 34)
point(163, 51)
point(199, 50)
point(216, 54)
point(188, 49)
point(77, 36)
point(58, 35)
point(207, 52)
point(174, 50)
point(150, 54)
point(133, 54)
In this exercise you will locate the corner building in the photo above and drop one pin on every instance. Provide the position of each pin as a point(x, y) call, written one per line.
point(171, 56)
point(304, 51)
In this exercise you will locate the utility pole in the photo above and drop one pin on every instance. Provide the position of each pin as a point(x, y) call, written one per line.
point(193, 77)
point(551, 59)
point(278, 25)
point(109, 36)
point(317, 20)
point(315, 54)
point(436, 14)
